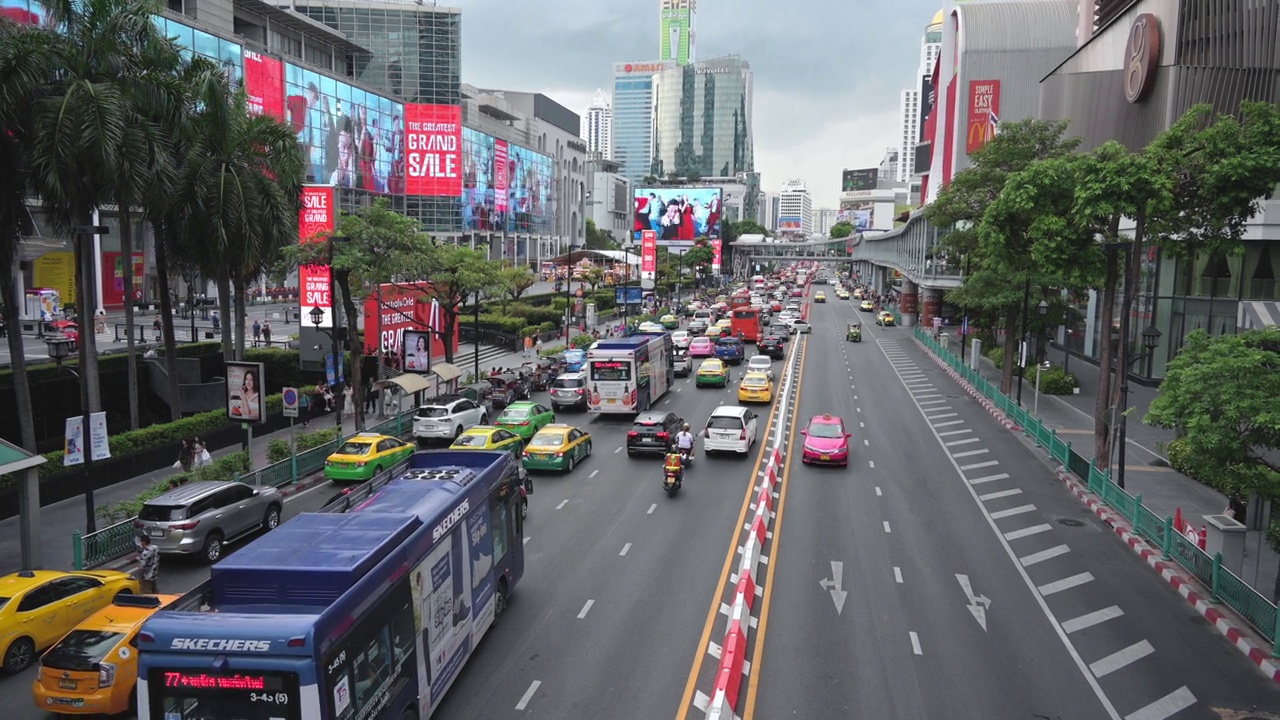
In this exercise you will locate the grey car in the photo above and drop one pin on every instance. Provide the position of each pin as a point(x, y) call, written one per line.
point(201, 517)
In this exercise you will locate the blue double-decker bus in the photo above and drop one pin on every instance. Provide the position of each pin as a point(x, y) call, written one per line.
point(337, 616)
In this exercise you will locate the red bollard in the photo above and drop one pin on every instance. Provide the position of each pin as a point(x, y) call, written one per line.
point(1204, 536)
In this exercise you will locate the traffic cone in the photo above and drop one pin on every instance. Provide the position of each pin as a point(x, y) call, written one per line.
point(1177, 521)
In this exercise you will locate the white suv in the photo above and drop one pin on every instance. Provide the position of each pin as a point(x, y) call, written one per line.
point(731, 428)
point(445, 418)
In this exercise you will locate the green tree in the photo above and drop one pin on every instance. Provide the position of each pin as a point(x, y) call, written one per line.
point(457, 274)
point(513, 281)
point(598, 239)
point(841, 230)
point(594, 276)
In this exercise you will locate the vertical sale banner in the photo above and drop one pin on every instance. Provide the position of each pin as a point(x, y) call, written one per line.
point(316, 222)
point(433, 150)
point(500, 155)
point(264, 84)
point(648, 255)
point(984, 110)
point(716, 256)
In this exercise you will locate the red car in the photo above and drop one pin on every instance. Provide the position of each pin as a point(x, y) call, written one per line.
point(825, 441)
point(68, 328)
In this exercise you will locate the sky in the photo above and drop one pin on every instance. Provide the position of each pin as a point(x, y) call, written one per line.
point(828, 73)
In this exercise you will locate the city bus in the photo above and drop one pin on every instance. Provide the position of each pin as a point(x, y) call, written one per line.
point(628, 375)
point(744, 322)
point(342, 616)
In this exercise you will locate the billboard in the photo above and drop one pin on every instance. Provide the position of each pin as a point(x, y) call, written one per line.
point(648, 255)
point(397, 309)
point(864, 179)
point(316, 220)
point(984, 111)
point(716, 256)
point(264, 84)
point(350, 137)
point(679, 215)
point(433, 150)
point(505, 186)
point(790, 224)
point(644, 67)
point(246, 402)
point(927, 97)
point(676, 40)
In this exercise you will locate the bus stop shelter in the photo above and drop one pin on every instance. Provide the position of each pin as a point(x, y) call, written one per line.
point(25, 467)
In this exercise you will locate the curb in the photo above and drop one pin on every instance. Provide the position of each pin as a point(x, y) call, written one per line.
point(973, 391)
point(1174, 575)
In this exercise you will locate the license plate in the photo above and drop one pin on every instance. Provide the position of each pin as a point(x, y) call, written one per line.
point(156, 533)
point(826, 457)
point(612, 400)
point(67, 684)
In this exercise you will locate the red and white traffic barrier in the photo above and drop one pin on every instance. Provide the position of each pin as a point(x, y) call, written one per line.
point(729, 674)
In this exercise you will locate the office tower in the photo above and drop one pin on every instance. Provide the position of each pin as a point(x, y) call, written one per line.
point(916, 102)
point(598, 130)
point(702, 119)
point(795, 209)
point(632, 131)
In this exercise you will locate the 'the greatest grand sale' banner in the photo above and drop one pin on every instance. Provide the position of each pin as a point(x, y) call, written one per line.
point(264, 84)
point(433, 150)
point(316, 222)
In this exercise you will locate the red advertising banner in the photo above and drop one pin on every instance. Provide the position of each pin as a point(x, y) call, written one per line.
point(264, 84)
point(984, 111)
point(113, 278)
point(716, 257)
point(433, 144)
point(500, 154)
point(316, 221)
point(393, 309)
point(648, 254)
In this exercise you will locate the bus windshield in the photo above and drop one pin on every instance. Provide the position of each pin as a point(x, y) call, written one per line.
point(610, 370)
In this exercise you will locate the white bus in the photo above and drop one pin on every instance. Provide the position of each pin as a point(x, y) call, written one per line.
point(628, 375)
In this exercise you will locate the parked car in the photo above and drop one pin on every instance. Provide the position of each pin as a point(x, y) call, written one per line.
point(652, 432)
point(730, 428)
point(569, 390)
point(444, 418)
point(203, 516)
point(43, 605)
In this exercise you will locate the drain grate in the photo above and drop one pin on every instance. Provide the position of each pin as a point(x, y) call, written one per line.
point(1070, 522)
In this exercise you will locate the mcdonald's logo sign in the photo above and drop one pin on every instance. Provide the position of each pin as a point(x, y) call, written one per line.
point(984, 109)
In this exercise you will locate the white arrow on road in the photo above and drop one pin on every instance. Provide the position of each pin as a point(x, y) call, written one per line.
point(978, 604)
point(833, 585)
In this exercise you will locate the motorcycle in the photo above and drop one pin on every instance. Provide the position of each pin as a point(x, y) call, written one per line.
point(671, 482)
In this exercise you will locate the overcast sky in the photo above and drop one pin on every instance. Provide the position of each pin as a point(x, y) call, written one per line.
point(827, 72)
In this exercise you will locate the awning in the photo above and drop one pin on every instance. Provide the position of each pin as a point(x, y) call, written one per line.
point(411, 382)
point(446, 371)
point(1257, 314)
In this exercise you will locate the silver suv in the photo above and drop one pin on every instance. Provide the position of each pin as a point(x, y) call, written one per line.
point(200, 517)
point(445, 418)
point(569, 390)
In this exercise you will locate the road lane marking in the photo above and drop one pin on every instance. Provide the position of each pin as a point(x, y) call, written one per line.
point(526, 540)
point(528, 695)
point(975, 466)
point(1012, 511)
point(886, 527)
point(999, 494)
point(965, 441)
point(593, 474)
point(652, 508)
point(1088, 620)
point(562, 503)
point(989, 478)
point(949, 433)
point(970, 453)
point(878, 493)
point(1121, 658)
point(1174, 702)
point(866, 441)
point(625, 549)
point(871, 463)
point(932, 402)
point(1058, 586)
point(585, 609)
point(1028, 531)
point(897, 575)
point(943, 415)
point(949, 422)
point(1039, 557)
point(617, 450)
point(915, 643)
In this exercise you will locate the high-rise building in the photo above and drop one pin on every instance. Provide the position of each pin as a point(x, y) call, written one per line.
point(823, 219)
point(702, 119)
point(795, 209)
point(889, 164)
point(598, 130)
point(676, 31)
point(917, 102)
point(633, 116)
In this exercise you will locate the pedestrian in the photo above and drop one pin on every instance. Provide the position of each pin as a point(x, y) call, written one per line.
point(155, 325)
point(304, 408)
point(537, 347)
point(216, 320)
point(528, 346)
point(370, 397)
point(100, 321)
point(266, 333)
point(257, 332)
point(148, 566)
point(185, 456)
point(348, 401)
point(200, 453)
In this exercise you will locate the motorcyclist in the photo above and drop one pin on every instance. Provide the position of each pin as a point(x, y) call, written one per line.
point(684, 441)
point(674, 465)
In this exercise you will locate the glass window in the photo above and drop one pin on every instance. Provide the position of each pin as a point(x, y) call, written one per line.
point(81, 650)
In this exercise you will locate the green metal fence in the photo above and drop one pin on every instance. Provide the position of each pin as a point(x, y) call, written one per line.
point(1224, 586)
point(93, 549)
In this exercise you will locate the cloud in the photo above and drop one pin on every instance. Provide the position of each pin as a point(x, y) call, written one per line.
point(828, 73)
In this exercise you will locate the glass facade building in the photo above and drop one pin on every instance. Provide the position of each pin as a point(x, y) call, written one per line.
point(633, 117)
point(702, 119)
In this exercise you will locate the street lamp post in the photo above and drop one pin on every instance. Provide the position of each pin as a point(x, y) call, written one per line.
point(317, 317)
point(1150, 340)
point(59, 348)
point(85, 306)
point(964, 312)
point(1022, 339)
point(475, 360)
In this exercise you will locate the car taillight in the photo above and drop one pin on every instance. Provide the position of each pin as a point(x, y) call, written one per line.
point(106, 674)
point(185, 526)
point(138, 524)
point(559, 454)
point(632, 434)
point(743, 436)
point(524, 424)
point(581, 391)
point(663, 435)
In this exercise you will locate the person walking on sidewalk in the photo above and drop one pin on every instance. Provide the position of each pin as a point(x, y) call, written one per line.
point(304, 408)
point(257, 332)
point(266, 334)
point(528, 346)
point(148, 566)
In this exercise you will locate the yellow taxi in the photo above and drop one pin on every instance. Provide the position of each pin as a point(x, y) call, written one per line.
point(557, 447)
point(489, 437)
point(716, 331)
point(819, 297)
point(365, 455)
point(842, 293)
point(725, 322)
point(867, 306)
point(40, 606)
point(755, 387)
point(94, 668)
point(885, 318)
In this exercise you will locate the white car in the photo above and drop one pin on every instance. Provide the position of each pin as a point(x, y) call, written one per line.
point(445, 418)
point(760, 364)
point(731, 428)
point(681, 339)
point(800, 326)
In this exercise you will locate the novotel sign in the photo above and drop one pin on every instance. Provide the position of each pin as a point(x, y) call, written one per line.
point(639, 68)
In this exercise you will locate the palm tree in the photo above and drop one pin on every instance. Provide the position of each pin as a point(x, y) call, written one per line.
point(97, 87)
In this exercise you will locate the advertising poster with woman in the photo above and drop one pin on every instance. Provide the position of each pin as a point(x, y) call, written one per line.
point(417, 351)
point(246, 401)
point(678, 215)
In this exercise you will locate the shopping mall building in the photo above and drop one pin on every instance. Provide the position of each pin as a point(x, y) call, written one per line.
point(363, 69)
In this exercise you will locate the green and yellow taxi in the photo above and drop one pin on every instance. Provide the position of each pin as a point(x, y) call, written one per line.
point(819, 297)
point(885, 318)
point(365, 455)
point(716, 331)
point(756, 387)
point(650, 327)
point(491, 438)
point(712, 373)
point(525, 418)
point(842, 293)
point(557, 447)
point(669, 321)
point(866, 306)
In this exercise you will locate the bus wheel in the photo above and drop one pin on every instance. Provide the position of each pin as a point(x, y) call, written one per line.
point(500, 600)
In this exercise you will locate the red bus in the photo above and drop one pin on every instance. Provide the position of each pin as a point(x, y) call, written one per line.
point(745, 323)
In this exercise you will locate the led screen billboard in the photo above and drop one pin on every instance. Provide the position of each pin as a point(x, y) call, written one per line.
point(505, 186)
point(433, 150)
point(790, 224)
point(676, 28)
point(264, 84)
point(679, 215)
point(863, 179)
point(316, 221)
point(351, 138)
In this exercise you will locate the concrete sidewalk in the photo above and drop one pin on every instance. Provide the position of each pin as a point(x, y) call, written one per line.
point(1147, 473)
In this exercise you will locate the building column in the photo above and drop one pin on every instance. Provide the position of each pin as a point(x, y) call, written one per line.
point(98, 286)
point(908, 304)
point(930, 306)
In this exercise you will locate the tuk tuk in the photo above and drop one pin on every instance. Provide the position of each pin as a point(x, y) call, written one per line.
point(506, 388)
point(853, 333)
point(540, 373)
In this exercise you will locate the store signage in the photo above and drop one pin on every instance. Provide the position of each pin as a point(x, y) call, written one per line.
point(984, 107)
point(1141, 57)
point(648, 68)
point(648, 255)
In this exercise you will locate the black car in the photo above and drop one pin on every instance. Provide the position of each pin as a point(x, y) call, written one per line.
point(774, 347)
point(653, 432)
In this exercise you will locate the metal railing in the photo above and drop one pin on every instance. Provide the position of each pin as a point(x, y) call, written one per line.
point(1224, 586)
point(115, 541)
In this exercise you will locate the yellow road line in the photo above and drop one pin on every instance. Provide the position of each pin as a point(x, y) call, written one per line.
point(713, 613)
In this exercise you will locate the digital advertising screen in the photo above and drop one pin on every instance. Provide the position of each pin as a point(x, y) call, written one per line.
point(678, 215)
point(792, 224)
point(316, 221)
point(433, 150)
point(351, 138)
point(863, 179)
point(505, 186)
point(24, 12)
point(264, 84)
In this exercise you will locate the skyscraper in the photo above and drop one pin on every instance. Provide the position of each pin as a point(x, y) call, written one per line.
point(795, 209)
point(675, 31)
point(916, 101)
point(702, 119)
point(598, 130)
point(633, 116)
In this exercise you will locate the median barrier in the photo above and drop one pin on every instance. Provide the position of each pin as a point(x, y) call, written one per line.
point(732, 663)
